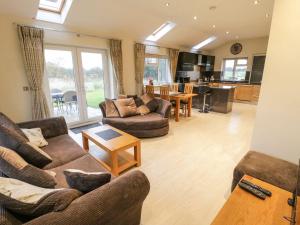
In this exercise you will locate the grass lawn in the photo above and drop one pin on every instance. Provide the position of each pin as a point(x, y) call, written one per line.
point(94, 98)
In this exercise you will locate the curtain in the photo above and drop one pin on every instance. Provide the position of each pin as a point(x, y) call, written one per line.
point(32, 47)
point(117, 62)
point(139, 54)
point(173, 59)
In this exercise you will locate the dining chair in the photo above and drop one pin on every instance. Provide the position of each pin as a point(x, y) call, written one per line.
point(188, 89)
point(150, 90)
point(164, 92)
point(174, 87)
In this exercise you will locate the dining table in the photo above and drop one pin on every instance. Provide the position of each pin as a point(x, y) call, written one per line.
point(177, 97)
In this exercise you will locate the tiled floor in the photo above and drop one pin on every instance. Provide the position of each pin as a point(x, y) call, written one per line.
point(190, 169)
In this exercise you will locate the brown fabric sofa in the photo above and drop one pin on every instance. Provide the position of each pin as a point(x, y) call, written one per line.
point(116, 203)
point(272, 170)
point(154, 124)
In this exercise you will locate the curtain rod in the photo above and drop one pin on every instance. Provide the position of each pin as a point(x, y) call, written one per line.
point(153, 45)
point(78, 34)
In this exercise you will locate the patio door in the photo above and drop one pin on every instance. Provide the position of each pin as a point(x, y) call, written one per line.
point(75, 82)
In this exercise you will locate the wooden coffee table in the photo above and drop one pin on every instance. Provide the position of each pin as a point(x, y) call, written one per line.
point(120, 143)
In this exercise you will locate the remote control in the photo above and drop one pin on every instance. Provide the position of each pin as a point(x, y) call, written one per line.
point(265, 191)
point(252, 190)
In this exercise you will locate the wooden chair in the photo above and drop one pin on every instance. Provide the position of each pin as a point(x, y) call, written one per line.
point(164, 92)
point(174, 87)
point(150, 90)
point(188, 89)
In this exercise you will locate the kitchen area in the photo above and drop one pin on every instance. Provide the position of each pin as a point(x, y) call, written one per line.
point(218, 89)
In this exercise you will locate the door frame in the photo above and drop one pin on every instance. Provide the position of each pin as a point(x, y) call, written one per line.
point(78, 79)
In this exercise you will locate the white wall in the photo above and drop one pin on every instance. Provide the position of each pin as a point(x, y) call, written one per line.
point(13, 100)
point(251, 47)
point(277, 126)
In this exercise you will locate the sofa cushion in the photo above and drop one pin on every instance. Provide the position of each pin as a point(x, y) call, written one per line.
point(111, 110)
point(150, 102)
point(146, 122)
point(9, 124)
point(14, 166)
point(32, 201)
point(86, 181)
point(62, 149)
point(126, 107)
point(32, 154)
point(86, 163)
point(272, 170)
point(35, 136)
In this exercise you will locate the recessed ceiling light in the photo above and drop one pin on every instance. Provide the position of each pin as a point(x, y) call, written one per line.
point(195, 17)
point(256, 2)
point(227, 32)
point(205, 42)
point(213, 26)
point(167, 4)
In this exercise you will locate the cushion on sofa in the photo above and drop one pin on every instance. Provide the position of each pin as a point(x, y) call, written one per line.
point(31, 153)
point(86, 163)
point(126, 107)
point(9, 124)
point(14, 166)
point(150, 102)
point(111, 110)
point(35, 136)
point(146, 122)
point(272, 170)
point(28, 200)
point(86, 181)
point(62, 149)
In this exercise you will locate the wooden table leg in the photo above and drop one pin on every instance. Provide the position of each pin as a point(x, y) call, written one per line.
point(189, 106)
point(85, 143)
point(137, 153)
point(177, 109)
point(114, 163)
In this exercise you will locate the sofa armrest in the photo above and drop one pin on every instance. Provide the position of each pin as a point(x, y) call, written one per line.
point(272, 170)
point(164, 107)
point(116, 203)
point(51, 127)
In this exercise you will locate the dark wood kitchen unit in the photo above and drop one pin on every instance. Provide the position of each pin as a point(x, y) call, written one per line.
point(220, 100)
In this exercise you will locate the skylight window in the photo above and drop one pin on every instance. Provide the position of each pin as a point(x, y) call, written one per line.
point(205, 42)
point(54, 11)
point(52, 5)
point(161, 31)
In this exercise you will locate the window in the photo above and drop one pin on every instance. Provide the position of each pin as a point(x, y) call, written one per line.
point(161, 31)
point(52, 5)
point(157, 69)
point(235, 69)
point(54, 11)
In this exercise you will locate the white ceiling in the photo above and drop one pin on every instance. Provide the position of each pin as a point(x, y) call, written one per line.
point(136, 19)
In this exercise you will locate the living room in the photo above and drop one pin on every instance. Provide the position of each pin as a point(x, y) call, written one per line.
point(189, 148)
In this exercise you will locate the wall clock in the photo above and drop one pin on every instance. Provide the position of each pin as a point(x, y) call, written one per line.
point(236, 48)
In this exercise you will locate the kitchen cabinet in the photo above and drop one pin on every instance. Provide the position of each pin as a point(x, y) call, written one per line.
point(243, 92)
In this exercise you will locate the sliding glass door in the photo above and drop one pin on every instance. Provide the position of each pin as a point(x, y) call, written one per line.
point(75, 80)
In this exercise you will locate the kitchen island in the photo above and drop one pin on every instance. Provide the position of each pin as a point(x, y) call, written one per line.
point(220, 99)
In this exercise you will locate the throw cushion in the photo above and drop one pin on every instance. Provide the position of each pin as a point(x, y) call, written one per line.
point(84, 181)
point(143, 110)
point(150, 102)
point(35, 136)
point(110, 109)
point(9, 124)
point(126, 107)
point(32, 201)
point(31, 153)
point(14, 166)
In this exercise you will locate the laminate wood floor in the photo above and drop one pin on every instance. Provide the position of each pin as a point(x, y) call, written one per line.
point(190, 169)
